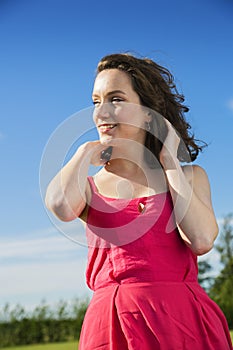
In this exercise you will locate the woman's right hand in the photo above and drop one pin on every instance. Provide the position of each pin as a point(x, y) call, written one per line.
point(93, 150)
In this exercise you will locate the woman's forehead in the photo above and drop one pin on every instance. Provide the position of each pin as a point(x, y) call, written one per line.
point(111, 79)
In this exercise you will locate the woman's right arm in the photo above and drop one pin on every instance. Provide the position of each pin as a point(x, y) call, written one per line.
point(68, 192)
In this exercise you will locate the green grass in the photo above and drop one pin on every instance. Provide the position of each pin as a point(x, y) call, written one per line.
point(54, 346)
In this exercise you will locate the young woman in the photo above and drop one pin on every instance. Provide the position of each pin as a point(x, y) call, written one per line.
point(148, 217)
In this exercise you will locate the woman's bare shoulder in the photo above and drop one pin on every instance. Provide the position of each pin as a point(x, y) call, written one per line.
point(199, 181)
point(194, 173)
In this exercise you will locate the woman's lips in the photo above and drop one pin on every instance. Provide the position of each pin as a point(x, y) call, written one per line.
point(103, 128)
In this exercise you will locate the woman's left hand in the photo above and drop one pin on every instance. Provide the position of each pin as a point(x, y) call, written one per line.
point(168, 153)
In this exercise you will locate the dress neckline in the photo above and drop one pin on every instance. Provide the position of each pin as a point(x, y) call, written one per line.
point(96, 192)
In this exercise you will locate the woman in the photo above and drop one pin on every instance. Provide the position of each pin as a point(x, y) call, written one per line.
point(148, 217)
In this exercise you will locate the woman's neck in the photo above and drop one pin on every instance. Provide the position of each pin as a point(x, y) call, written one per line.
point(126, 168)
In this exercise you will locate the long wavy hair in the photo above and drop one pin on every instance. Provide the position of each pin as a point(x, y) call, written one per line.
point(157, 91)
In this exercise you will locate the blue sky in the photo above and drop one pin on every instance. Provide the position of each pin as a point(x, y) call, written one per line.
point(48, 54)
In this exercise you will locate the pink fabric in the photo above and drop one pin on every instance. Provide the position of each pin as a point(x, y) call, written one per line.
point(146, 295)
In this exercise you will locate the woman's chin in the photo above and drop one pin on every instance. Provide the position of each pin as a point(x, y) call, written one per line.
point(105, 139)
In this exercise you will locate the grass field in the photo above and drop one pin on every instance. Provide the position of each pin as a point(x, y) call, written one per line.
point(57, 346)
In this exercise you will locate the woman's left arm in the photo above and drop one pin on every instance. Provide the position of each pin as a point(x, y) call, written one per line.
point(191, 195)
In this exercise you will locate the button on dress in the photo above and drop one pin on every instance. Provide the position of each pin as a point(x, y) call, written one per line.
point(144, 281)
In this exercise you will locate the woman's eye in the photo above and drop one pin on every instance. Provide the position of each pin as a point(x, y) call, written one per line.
point(96, 103)
point(117, 99)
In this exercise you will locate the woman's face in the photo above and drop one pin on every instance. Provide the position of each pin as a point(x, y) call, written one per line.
point(118, 112)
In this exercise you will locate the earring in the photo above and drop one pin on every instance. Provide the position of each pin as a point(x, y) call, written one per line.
point(148, 126)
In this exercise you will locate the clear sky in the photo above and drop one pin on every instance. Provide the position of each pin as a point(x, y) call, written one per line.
point(49, 50)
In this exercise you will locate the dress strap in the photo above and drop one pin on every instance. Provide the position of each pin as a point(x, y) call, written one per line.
point(92, 184)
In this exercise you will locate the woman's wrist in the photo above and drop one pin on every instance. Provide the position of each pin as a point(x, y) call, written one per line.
point(169, 163)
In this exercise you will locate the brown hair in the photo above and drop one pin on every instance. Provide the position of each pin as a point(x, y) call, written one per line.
point(156, 88)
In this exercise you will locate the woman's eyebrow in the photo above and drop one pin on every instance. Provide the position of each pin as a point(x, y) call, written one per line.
point(111, 93)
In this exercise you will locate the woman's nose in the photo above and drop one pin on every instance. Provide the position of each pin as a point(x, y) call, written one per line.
point(103, 110)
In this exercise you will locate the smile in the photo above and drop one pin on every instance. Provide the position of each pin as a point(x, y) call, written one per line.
point(106, 127)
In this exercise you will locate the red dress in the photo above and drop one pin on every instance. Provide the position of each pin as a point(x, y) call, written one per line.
point(144, 278)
